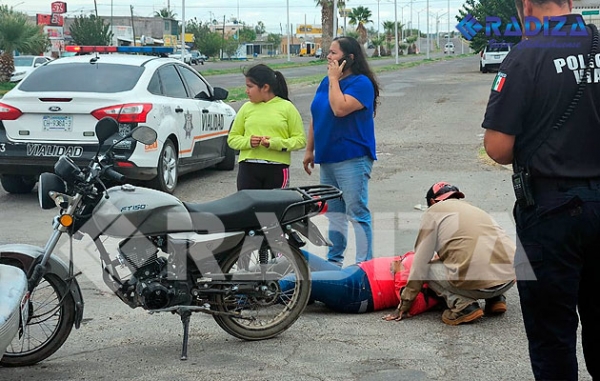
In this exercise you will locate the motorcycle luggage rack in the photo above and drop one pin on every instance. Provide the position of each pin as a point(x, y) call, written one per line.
point(313, 195)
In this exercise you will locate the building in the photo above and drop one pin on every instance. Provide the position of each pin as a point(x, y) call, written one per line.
point(590, 10)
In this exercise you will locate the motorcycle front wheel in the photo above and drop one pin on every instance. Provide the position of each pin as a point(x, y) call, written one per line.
point(51, 317)
point(277, 300)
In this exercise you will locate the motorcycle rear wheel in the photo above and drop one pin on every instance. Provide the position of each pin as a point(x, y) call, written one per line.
point(268, 315)
point(51, 317)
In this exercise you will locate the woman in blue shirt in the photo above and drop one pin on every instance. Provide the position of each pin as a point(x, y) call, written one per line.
point(341, 138)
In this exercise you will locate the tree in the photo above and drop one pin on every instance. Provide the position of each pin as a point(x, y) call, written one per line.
point(275, 39)
point(260, 28)
point(246, 34)
point(482, 8)
point(205, 41)
point(165, 13)
point(378, 43)
point(90, 31)
point(17, 33)
point(327, 21)
point(231, 47)
point(359, 16)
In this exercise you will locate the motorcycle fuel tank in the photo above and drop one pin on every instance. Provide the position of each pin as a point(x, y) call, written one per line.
point(130, 211)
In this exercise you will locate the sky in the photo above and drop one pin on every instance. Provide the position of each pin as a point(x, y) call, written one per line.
point(273, 13)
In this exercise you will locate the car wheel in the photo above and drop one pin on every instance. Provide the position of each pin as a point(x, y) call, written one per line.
point(228, 162)
point(167, 169)
point(17, 184)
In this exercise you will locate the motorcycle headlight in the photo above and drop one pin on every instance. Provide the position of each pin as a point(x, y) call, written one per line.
point(66, 168)
point(49, 182)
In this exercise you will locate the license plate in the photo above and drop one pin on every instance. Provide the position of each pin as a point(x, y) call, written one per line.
point(58, 123)
point(496, 57)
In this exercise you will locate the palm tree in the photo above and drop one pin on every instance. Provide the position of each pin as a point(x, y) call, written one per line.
point(165, 13)
point(327, 22)
point(389, 28)
point(17, 33)
point(360, 16)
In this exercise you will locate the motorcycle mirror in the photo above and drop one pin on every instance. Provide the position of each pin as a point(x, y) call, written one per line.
point(105, 128)
point(144, 135)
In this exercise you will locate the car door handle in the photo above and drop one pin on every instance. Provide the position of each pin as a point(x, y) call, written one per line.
point(178, 109)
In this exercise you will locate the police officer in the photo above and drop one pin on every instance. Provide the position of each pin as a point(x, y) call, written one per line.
point(558, 214)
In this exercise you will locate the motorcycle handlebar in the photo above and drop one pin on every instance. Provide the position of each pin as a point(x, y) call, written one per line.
point(111, 174)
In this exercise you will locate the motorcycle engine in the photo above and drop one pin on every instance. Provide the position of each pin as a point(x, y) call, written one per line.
point(150, 285)
point(138, 252)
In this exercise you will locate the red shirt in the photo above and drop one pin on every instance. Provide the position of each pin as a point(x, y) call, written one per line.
point(385, 289)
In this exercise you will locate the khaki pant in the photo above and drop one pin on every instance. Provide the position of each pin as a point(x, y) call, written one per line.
point(457, 298)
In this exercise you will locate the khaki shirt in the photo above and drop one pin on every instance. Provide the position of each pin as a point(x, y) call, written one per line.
point(475, 250)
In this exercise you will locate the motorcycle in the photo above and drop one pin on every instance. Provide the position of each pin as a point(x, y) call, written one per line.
point(227, 258)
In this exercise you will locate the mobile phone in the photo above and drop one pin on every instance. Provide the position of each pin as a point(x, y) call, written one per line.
point(349, 61)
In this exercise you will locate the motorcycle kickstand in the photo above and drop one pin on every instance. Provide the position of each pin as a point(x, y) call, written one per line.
point(185, 319)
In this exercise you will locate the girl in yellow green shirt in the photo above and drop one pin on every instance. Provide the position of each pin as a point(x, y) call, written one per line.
point(265, 131)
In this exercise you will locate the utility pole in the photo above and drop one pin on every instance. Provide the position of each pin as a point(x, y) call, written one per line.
point(428, 43)
point(183, 49)
point(335, 24)
point(396, 27)
point(287, 4)
point(448, 41)
point(96, 8)
point(132, 24)
point(223, 43)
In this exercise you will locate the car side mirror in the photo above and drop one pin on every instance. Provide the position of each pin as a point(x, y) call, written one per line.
point(220, 94)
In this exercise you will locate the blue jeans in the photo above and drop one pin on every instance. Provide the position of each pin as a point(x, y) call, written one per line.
point(352, 178)
point(342, 290)
point(558, 266)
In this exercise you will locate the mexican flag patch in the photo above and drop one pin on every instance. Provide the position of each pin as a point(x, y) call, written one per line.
point(499, 81)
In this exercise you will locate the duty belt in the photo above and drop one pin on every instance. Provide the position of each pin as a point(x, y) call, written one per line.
point(561, 184)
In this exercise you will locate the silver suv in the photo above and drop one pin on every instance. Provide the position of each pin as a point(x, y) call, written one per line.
point(493, 55)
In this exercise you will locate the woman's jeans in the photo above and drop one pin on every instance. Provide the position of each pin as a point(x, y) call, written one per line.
point(558, 267)
point(342, 290)
point(352, 178)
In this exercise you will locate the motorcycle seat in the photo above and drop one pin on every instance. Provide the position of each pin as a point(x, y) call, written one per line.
point(241, 210)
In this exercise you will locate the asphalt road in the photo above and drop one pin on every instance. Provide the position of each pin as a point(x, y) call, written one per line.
point(428, 129)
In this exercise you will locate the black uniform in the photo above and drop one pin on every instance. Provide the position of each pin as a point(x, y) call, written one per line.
point(559, 237)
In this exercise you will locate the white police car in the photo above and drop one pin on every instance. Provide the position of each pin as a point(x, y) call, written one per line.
point(53, 111)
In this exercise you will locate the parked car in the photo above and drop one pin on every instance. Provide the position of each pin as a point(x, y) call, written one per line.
point(187, 56)
point(25, 64)
point(492, 56)
point(318, 53)
point(197, 58)
point(53, 111)
point(449, 48)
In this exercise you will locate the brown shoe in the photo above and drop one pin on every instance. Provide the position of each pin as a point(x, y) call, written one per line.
point(495, 305)
point(468, 314)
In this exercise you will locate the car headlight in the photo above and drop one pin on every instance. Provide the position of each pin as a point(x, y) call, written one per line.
point(49, 182)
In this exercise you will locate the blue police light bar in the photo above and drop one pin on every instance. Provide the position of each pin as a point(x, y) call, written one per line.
point(145, 49)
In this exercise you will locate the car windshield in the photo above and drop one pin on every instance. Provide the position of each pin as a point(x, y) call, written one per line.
point(83, 77)
point(23, 61)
